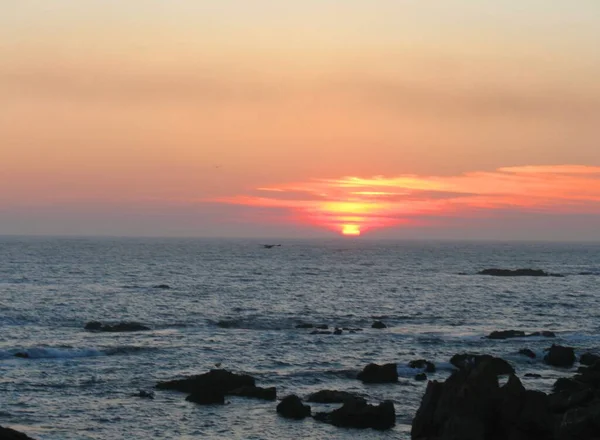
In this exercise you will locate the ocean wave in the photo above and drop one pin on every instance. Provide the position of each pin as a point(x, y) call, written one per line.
point(49, 353)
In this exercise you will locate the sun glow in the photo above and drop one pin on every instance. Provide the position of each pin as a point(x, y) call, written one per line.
point(351, 230)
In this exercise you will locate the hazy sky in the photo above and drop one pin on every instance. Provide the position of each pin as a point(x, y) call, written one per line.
point(394, 118)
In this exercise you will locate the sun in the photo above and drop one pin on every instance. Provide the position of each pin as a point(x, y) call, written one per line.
point(350, 230)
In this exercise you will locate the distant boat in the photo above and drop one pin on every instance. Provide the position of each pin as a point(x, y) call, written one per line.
point(269, 246)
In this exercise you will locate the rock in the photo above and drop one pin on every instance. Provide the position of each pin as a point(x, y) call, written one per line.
point(580, 423)
point(207, 396)
point(161, 286)
point(527, 352)
point(505, 334)
point(468, 361)
point(337, 331)
point(567, 384)
point(119, 327)
point(291, 407)
point(586, 358)
point(559, 356)
point(322, 327)
point(220, 380)
point(533, 375)
point(255, 392)
point(374, 373)
point(560, 402)
point(421, 377)
point(359, 414)
point(11, 434)
point(22, 354)
point(145, 394)
point(378, 324)
point(331, 396)
point(223, 323)
point(422, 363)
point(545, 334)
point(305, 325)
point(517, 273)
point(320, 332)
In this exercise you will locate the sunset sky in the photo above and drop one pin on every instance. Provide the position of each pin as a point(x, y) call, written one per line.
point(268, 118)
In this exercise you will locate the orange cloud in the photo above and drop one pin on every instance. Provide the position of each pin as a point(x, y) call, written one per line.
point(351, 205)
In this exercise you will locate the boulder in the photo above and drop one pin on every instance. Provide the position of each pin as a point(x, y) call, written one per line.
point(161, 286)
point(255, 392)
point(322, 327)
point(429, 367)
point(533, 375)
point(421, 377)
point(291, 407)
point(358, 413)
point(207, 396)
point(145, 394)
point(589, 359)
point(467, 361)
point(119, 327)
point(22, 354)
point(378, 324)
point(331, 396)
point(527, 352)
point(337, 331)
point(321, 332)
point(374, 373)
point(559, 356)
point(544, 333)
point(516, 273)
point(505, 334)
point(305, 325)
point(11, 434)
point(221, 380)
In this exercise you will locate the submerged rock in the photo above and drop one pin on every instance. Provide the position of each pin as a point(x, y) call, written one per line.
point(331, 396)
point(378, 324)
point(421, 377)
point(305, 325)
point(559, 356)
point(22, 354)
point(161, 286)
point(255, 392)
point(221, 380)
point(374, 373)
point(291, 407)
point(145, 394)
point(517, 273)
point(119, 327)
point(505, 334)
point(11, 434)
point(357, 413)
point(527, 352)
point(422, 363)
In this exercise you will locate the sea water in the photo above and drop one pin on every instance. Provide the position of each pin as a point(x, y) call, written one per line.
point(235, 303)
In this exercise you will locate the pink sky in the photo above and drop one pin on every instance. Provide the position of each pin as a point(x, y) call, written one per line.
point(454, 119)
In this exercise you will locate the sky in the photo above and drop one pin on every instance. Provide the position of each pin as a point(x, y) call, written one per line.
point(401, 119)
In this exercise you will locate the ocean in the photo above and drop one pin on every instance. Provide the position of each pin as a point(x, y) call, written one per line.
point(235, 303)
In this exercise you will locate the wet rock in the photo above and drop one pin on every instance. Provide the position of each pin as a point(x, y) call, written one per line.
point(559, 356)
point(422, 363)
point(505, 334)
point(468, 361)
point(220, 380)
point(207, 396)
point(567, 384)
point(145, 394)
point(226, 323)
point(580, 423)
point(22, 354)
point(291, 407)
point(378, 324)
point(322, 327)
point(374, 373)
point(589, 358)
point(119, 327)
point(331, 396)
point(11, 434)
point(359, 414)
point(255, 392)
point(545, 334)
point(560, 402)
point(533, 375)
point(161, 286)
point(517, 273)
point(337, 331)
point(527, 352)
point(305, 325)
point(321, 332)
point(421, 377)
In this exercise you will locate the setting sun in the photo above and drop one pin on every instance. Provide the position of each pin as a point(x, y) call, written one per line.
point(350, 230)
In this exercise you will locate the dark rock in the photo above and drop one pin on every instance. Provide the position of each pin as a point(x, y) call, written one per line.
point(421, 377)
point(533, 375)
point(145, 394)
point(255, 392)
point(119, 327)
point(588, 359)
point(305, 325)
point(291, 407)
point(505, 334)
point(468, 361)
point(11, 434)
point(221, 380)
point(22, 354)
point(559, 356)
point(560, 402)
point(527, 352)
point(517, 273)
point(580, 423)
point(378, 324)
point(322, 327)
point(422, 363)
point(227, 323)
point(207, 396)
point(545, 334)
point(359, 414)
point(337, 331)
point(331, 396)
point(567, 384)
point(320, 332)
point(161, 286)
point(374, 373)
